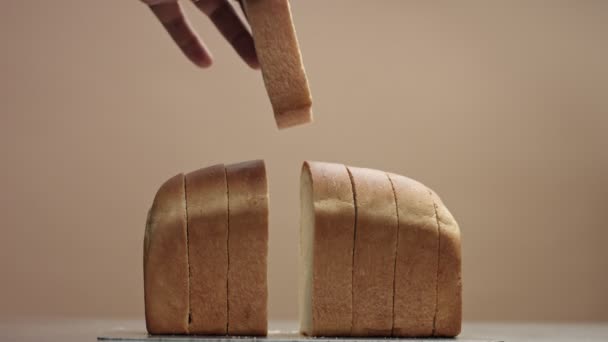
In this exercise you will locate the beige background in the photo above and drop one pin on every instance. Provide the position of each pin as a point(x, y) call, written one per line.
point(501, 107)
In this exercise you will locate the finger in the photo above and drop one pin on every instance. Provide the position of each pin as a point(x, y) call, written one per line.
point(223, 15)
point(172, 17)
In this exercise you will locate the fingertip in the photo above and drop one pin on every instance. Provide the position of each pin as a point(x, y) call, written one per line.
point(204, 63)
point(198, 54)
point(201, 61)
point(245, 47)
point(253, 63)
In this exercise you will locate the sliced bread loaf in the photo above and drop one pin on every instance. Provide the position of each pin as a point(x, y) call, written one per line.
point(406, 261)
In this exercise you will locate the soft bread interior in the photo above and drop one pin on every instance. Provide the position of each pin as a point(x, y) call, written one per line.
point(307, 224)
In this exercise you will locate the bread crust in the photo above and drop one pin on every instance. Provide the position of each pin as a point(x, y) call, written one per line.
point(415, 296)
point(166, 287)
point(247, 248)
point(333, 224)
point(448, 318)
point(280, 59)
point(376, 228)
point(207, 209)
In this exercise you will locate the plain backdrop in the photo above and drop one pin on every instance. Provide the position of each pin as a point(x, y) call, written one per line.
point(501, 107)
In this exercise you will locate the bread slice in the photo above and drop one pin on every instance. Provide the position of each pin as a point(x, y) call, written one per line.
point(449, 288)
point(279, 55)
point(207, 209)
point(247, 248)
point(326, 250)
point(166, 286)
point(415, 296)
point(376, 229)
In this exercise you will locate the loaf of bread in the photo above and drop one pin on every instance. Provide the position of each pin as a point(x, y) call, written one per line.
point(327, 234)
point(280, 59)
point(380, 254)
point(205, 251)
point(406, 261)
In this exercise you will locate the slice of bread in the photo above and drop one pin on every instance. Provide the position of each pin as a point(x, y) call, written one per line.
point(449, 290)
point(279, 55)
point(247, 248)
point(166, 287)
point(207, 209)
point(415, 297)
point(376, 228)
point(326, 250)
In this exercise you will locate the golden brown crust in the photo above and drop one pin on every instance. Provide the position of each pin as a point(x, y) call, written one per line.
point(207, 208)
point(247, 248)
point(417, 258)
point(329, 249)
point(374, 252)
point(166, 261)
point(279, 55)
point(449, 291)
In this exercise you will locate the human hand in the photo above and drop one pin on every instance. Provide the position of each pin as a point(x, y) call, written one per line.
point(221, 13)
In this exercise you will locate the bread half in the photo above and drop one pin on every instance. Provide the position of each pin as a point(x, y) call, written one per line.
point(449, 288)
point(247, 248)
point(415, 297)
point(166, 287)
point(280, 59)
point(406, 266)
point(327, 227)
point(207, 208)
point(376, 229)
